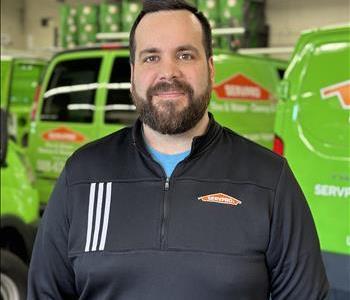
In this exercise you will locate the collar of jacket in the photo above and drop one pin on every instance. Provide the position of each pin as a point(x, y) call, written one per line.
point(199, 143)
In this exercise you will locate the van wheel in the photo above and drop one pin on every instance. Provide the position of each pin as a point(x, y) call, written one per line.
point(13, 277)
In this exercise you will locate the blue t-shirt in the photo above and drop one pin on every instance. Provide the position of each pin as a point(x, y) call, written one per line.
point(167, 161)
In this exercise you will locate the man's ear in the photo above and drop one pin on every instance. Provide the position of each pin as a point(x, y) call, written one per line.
point(211, 69)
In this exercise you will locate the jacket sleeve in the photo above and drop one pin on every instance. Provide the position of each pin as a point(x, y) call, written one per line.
point(50, 273)
point(293, 255)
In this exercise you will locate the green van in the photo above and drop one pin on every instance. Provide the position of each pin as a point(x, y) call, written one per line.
point(19, 78)
point(85, 95)
point(313, 132)
point(19, 216)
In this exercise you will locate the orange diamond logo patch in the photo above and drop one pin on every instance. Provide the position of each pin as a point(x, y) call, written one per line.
point(220, 198)
point(240, 87)
point(63, 134)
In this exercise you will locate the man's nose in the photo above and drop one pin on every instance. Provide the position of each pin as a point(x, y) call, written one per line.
point(169, 70)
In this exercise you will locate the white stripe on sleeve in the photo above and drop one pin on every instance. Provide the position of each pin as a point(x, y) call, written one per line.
point(90, 216)
point(106, 216)
point(98, 216)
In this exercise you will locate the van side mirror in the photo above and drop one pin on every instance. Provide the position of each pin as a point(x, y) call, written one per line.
point(283, 90)
point(4, 136)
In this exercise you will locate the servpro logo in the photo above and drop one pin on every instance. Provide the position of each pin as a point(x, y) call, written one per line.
point(63, 134)
point(220, 198)
point(340, 90)
point(240, 87)
point(332, 191)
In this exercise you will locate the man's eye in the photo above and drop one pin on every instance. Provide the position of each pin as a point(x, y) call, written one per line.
point(150, 59)
point(186, 56)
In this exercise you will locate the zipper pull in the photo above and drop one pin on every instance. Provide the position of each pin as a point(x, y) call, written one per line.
point(166, 185)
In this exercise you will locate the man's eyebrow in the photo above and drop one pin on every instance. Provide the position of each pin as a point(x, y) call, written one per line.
point(148, 51)
point(178, 49)
point(187, 48)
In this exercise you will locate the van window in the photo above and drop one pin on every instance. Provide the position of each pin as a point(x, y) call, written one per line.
point(70, 95)
point(119, 107)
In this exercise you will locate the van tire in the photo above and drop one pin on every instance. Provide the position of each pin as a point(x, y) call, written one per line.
point(14, 273)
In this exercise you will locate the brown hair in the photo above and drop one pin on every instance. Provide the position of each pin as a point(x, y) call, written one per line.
point(150, 6)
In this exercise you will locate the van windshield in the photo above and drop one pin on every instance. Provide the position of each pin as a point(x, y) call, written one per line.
point(70, 94)
point(119, 106)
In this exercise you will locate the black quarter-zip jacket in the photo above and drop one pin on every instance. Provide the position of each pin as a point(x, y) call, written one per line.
point(230, 223)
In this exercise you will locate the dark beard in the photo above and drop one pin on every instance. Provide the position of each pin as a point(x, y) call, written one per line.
point(169, 120)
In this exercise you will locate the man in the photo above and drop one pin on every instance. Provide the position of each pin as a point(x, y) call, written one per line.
point(176, 207)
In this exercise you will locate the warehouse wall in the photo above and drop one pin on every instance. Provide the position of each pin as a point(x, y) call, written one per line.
point(37, 10)
point(41, 35)
point(287, 18)
point(12, 24)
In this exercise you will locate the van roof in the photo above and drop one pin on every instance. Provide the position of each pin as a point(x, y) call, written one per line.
point(102, 46)
point(328, 28)
point(218, 51)
point(325, 33)
point(24, 57)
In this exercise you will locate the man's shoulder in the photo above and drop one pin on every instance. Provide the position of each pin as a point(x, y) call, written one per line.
point(255, 162)
point(251, 149)
point(100, 155)
point(113, 141)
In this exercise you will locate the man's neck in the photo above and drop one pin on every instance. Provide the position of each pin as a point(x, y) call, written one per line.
point(175, 143)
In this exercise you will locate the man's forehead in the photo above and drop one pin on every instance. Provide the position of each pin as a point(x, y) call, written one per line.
point(168, 24)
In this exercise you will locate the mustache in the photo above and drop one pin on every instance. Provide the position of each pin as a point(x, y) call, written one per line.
point(174, 85)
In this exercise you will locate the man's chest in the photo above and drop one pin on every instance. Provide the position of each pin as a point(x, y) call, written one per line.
point(210, 216)
point(174, 234)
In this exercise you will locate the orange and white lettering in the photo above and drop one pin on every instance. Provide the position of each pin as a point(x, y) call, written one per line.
point(63, 134)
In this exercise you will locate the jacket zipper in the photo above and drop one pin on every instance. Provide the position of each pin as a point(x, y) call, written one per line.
point(165, 203)
point(165, 214)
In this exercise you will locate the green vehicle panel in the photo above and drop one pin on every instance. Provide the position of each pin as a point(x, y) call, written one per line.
point(85, 95)
point(18, 197)
point(244, 96)
point(312, 127)
point(6, 63)
point(19, 216)
point(19, 79)
point(67, 118)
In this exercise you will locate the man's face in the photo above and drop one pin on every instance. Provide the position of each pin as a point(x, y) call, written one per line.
point(171, 77)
